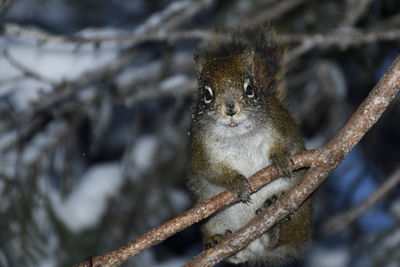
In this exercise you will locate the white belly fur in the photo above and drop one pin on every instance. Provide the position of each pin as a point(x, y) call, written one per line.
point(247, 156)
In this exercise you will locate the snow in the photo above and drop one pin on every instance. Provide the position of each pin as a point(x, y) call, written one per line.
point(7, 138)
point(48, 262)
point(329, 257)
point(3, 259)
point(105, 32)
point(393, 240)
point(52, 61)
point(84, 207)
point(57, 61)
point(173, 82)
point(180, 200)
point(87, 94)
point(7, 70)
point(39, 143)
point(395, 208)
point(137, 74)
point(144, 153)
point(26, 92)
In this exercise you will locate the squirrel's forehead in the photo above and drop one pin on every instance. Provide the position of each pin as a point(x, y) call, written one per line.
point(225, 72)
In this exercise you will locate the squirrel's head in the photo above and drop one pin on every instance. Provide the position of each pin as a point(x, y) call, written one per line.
point(230, 93)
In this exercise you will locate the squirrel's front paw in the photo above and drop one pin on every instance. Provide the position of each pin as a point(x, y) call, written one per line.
point(241, 186)
point(281, 162)
point(211, 241)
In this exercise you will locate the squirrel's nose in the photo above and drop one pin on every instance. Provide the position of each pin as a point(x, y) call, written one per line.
point(230, 108)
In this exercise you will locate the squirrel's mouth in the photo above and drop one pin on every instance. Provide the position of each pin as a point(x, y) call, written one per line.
point(232, 123)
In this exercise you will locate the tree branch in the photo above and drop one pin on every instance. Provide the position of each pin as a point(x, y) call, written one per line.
point(25, 70)
point(343, 40)
point(4, 8)
point(352, 37)
point(341, 221)
point(195, 214)
point(321, 162)
point(276, 11)
point(355, 10)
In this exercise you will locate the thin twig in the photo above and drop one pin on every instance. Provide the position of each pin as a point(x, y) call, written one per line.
point(341, 40)
point(389, 23)
point(355, 10)
point(25, 70)
point(343, 220)
point(187, 14)
point(153, 92)
point(276, 11)
point(5, 7)
point(13, 29)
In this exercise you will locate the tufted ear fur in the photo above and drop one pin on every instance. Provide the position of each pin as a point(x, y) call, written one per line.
point(199, 62)
point(248, 58)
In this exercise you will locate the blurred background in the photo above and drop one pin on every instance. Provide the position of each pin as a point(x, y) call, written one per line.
point(96, 99)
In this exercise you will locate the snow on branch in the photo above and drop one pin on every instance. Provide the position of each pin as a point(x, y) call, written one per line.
point(321, 163)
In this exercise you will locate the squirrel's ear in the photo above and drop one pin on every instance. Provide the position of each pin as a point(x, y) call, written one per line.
point(248, 59)
point(199, 62)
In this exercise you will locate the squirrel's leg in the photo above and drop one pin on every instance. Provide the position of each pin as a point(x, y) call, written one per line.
point(238, 184)
point(280, 157)
point(296, 233)
point(274, 232)
point(235, 182)
point(213, 240)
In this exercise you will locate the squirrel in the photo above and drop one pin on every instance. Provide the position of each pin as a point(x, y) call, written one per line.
point(240, 126)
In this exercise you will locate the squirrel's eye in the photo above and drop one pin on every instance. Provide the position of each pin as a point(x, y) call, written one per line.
point(248, 88)
point(208, 94)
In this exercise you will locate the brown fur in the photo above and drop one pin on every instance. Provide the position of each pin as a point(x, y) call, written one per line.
point(249, 57)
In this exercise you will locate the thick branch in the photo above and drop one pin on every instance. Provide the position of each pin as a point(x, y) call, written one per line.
point(195, 214)
point(321, 161)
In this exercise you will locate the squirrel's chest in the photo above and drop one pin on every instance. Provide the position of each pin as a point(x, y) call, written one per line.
point(247, 154)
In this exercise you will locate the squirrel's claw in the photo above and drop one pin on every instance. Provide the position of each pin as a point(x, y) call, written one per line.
point(241, 187)
point(282, 165)
point(211, 241)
